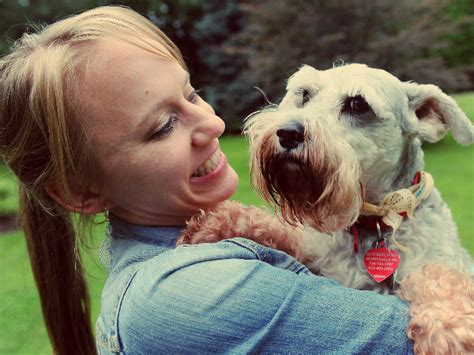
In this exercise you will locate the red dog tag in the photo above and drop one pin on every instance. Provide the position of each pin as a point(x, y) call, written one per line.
point(381, 263)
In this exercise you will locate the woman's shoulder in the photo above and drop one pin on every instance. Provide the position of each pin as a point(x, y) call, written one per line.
point(211, 289)
point(212, 255)
point(141, 272)
point(163, 290)
point(206, 266)
point(148, 261)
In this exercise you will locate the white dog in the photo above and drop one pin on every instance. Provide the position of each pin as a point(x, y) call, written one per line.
point(342, 154)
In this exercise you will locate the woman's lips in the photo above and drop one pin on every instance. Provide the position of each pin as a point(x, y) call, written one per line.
point(209, 165)
point(212, 168)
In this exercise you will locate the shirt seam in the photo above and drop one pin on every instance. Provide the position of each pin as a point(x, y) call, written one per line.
point(255, 248)
point(118, 346)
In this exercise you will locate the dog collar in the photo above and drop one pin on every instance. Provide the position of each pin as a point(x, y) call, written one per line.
point(394, 207)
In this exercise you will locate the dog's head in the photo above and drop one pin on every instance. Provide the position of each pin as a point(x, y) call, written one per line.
point(337, 130)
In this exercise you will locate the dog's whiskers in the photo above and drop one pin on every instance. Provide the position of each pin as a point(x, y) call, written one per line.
point(265, 96)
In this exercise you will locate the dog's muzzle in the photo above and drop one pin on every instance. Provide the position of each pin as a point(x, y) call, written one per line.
point(311, 181)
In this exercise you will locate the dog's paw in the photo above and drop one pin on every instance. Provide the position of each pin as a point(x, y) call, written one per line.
point(229, 219)
point(442, 310)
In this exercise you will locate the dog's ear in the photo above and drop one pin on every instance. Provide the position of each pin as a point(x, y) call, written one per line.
point(436, 113)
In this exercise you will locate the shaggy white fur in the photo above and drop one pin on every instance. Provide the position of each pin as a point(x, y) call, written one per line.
point(341, 137)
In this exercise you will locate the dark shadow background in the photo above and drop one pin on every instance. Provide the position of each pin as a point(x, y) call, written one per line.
point(231, 46)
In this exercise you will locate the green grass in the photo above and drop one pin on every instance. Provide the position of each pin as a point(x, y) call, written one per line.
point(8, 191)
point(21, 325)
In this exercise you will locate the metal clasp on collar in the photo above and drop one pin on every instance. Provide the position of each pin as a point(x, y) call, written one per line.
point(381, 238)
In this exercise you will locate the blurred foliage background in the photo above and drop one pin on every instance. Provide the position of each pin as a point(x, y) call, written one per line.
point(232, 46)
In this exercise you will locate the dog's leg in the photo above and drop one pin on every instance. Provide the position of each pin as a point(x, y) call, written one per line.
point(231, 219)
point(442, 310)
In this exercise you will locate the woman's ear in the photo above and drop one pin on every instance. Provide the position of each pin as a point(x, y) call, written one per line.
point(83, 199)
point(436, 113)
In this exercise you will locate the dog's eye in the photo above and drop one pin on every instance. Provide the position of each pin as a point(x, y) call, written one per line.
point(302, 97)
point(305, 97)
point(356, 105)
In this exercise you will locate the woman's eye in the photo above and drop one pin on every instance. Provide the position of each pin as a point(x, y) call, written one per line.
point(165, 129)
point(194, 97)
point(356, 105)
point(305, 97)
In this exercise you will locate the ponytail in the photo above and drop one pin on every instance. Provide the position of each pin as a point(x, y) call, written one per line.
point(58, 273)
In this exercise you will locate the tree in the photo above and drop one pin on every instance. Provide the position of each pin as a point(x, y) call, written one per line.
point(232, 46)
point(223, 58)
point(403, 37)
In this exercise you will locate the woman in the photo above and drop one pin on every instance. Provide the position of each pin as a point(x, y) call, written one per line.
point(98, 114)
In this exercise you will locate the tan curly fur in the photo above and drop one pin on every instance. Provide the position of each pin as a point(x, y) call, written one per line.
point(231, 219)
point(441, 302)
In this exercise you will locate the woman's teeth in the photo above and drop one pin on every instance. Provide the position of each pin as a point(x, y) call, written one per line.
point(209, 165)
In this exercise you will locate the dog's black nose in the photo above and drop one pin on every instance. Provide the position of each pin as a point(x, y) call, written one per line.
point(291, 135)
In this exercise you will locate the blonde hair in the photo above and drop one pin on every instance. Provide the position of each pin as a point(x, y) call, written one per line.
point(43, 141)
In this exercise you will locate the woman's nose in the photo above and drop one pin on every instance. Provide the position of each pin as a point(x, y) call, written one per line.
point(208, 128)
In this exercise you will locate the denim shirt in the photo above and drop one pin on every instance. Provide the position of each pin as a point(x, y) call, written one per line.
point(234, 296)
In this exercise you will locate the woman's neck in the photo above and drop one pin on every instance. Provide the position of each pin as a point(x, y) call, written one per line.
point(144, 219)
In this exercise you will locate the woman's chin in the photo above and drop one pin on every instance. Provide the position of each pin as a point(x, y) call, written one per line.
point(221, 192)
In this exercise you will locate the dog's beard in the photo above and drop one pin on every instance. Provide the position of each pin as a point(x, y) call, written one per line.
point(315, 186)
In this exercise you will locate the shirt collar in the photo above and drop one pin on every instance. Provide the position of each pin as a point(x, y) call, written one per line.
point(164, 236)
